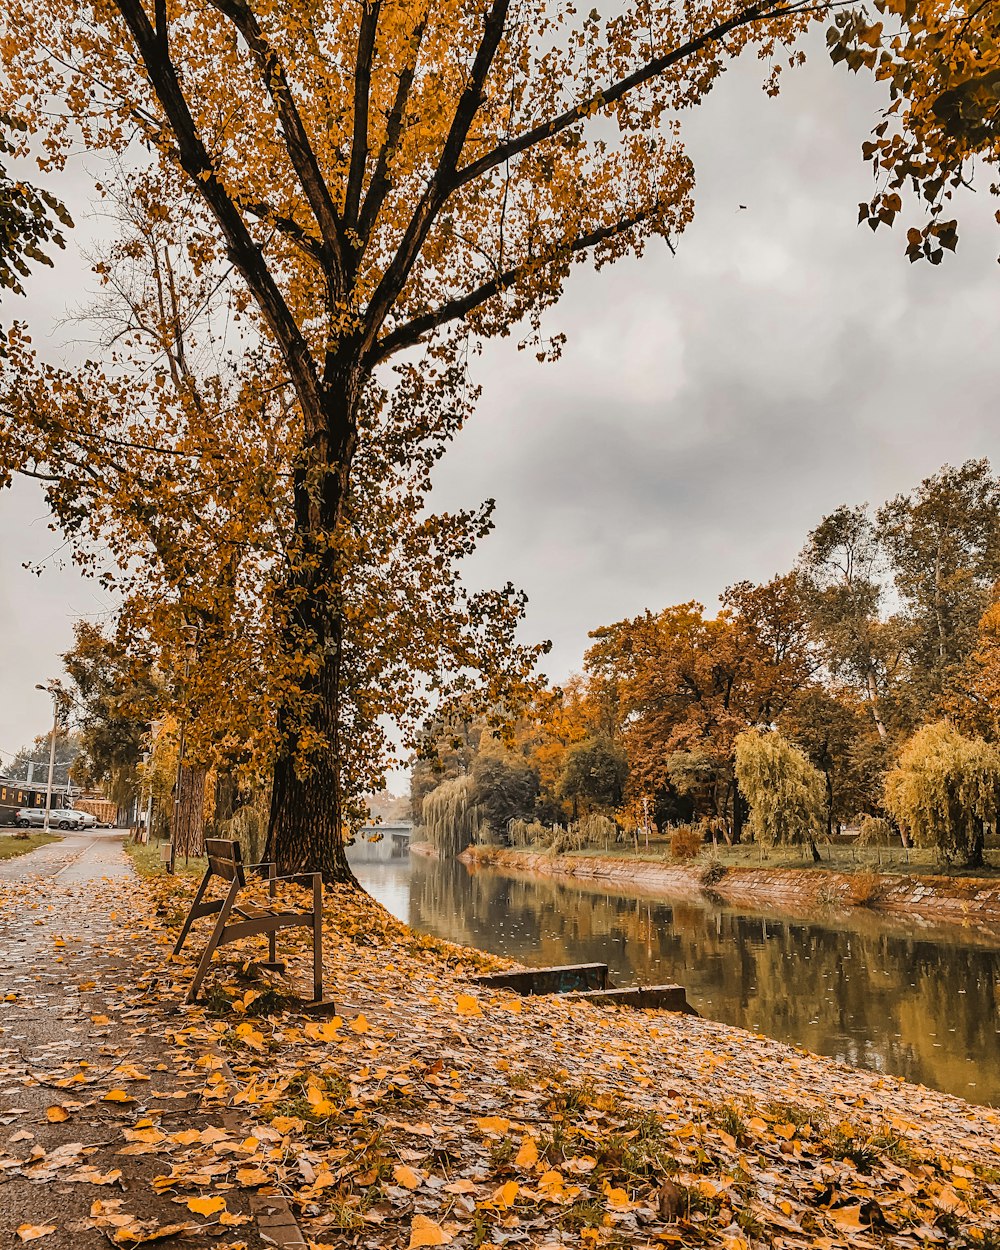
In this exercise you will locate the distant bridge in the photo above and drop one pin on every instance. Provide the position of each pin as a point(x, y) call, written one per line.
point(381, 842)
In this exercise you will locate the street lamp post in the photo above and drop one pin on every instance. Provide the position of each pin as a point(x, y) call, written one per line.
point(190, 651)
point(53, 689)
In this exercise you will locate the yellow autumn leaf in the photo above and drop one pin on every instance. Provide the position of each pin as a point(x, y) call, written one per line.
point(506, 1194)
point(359, 1024)
point(617, 1198)
point(405, 1176)
point(466, 1005)
point(527, 1156)
point(328, 1031)
point(424, 1232)
point(206, 1206)
point(117, 1095)
point(31, 1232)
point(461, 1187)
point(99, 1020)
point(493, 1124)
point(56, 1114)
point(550, 1183)
point(250, 1036)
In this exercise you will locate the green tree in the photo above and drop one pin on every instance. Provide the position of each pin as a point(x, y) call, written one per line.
point(943, 542)
point(786, 793)
point(594, 775)
point(505, 789)
point(943, 791)
point(837, 734)
point(450, 815)
point(842, 567)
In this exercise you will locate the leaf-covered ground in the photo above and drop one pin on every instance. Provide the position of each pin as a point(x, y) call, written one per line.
point(428, 1111)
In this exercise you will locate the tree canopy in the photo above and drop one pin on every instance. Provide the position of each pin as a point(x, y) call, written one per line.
point(342, 184)
point(944, 791)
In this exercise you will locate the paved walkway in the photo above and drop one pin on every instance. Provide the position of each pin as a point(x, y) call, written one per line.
point(78, 857)
point(84, 1061)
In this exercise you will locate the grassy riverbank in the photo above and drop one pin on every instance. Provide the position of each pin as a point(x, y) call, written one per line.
point(834, 857)
point(955, 899)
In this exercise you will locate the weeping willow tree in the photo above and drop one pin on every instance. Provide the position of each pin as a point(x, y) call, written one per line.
point(944, 790)
point(451, 815)
point(786, 793)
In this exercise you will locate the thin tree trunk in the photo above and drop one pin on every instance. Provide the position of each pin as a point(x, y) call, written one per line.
point(873, 704)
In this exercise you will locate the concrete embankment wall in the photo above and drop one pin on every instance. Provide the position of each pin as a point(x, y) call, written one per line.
point(966, 901)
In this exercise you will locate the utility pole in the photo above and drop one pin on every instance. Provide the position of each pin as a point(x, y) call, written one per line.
point(54, 689)
point(190, 650)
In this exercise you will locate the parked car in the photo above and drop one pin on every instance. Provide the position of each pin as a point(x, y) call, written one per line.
point(87, 819)
point(59, 818)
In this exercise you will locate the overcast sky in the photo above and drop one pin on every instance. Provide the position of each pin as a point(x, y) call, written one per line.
point(708, 410)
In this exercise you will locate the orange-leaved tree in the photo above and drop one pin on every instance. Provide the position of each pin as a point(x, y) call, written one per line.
point(365, 180)
point(941, 61)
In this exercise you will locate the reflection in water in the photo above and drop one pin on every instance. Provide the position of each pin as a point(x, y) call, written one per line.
point(857, 988)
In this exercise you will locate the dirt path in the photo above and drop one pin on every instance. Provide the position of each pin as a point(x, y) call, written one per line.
point(82, 1071)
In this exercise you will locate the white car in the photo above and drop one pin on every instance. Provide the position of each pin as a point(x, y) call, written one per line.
point(87, 819)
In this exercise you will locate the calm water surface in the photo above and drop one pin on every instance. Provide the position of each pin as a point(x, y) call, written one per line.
point(924, 1005)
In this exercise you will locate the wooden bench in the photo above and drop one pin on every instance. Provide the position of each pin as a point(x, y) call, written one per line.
point(225, 861)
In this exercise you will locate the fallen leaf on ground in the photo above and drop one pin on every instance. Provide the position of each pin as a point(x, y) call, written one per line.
point(424, 1232)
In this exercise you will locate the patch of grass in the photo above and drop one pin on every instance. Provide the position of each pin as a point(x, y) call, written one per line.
point(639, 1149)
point(501, 1154)
point(729, 1118)
point(796, 1113)
point(587, 1213)
point(12, 845)
point(147, 862)
point(335, 1089)
point(867, 1151)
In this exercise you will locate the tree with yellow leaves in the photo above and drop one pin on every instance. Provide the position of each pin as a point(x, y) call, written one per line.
point(943, 790)
point(363, 183)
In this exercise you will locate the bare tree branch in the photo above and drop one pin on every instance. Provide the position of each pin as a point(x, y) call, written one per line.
point(367, 32)
point(412, 332)
point(297, 144)
point(437, 191)
point(615, 91)
point(198, 165)
point(379, 186)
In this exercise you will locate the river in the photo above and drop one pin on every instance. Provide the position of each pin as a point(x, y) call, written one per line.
point(860, 988)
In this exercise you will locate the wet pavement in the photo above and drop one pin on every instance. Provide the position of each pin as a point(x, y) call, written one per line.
point(78, 857)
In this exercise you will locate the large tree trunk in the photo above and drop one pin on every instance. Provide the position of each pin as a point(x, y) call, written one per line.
point(189, 834)
point(306, 827)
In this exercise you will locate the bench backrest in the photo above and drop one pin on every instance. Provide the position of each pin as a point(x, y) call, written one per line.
point(225, 860)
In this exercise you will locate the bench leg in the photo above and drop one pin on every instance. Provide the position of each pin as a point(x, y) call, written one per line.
point(318, 938)
point(189, 919)
point(213, 942)
point(272, 957)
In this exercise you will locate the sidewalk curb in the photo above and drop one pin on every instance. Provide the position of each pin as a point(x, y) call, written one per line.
point(272, 1214)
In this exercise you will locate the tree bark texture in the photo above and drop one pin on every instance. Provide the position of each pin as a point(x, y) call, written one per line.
point(306, 828)
point(189, 835)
